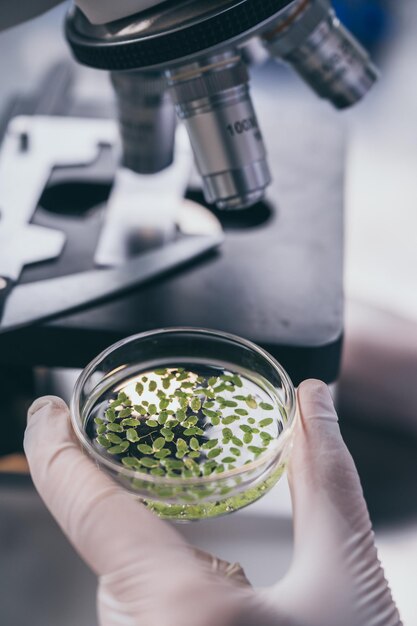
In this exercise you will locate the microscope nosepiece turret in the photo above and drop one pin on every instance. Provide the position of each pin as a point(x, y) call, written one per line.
point(191, 55)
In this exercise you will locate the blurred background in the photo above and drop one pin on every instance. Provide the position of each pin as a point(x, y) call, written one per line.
point(376, 394)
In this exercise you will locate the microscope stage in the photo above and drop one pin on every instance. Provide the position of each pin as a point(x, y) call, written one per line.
point(277, 280)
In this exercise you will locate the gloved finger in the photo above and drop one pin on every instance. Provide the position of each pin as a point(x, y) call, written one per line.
point(325, 485)
point(336, 575)
point(106, 525)
point(17, 11)
point(148, 574)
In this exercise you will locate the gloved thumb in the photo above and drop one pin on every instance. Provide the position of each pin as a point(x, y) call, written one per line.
point(106, 525)
point(325, 487)
point(149, 575)
point(336, 576)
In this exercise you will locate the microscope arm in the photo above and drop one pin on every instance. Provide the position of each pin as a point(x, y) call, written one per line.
point(13, 12)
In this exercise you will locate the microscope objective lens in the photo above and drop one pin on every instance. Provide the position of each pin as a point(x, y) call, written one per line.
point(213, 100)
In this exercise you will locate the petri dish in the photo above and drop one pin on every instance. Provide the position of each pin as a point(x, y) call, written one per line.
point(196, 423)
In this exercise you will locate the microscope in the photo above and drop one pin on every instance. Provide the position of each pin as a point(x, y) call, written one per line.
point(268, 166)
point(190, 58)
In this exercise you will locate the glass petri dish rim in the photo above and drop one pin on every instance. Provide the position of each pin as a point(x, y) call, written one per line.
point(266, 459)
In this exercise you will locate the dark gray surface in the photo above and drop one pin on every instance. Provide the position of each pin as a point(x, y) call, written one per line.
point(35, 302)
point(278, 283)
point(44, 582)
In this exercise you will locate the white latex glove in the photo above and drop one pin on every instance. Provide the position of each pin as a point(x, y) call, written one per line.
point(150, 577)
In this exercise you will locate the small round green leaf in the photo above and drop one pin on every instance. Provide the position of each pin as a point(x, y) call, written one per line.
point(132, 435)
point(255, 450)
point(111, 415)
point(113, 438)
point(212, 454)
point(130, 461)
point(173, 464)
point(115, 428)
point(119, 449)
point(130, 422)
point(144, 448)
point(208, 445)
point(159, 443)
point(103, 441)
point(189, 432)
point(195, 404)
point(194, 444)
point(162, 454)
point(148, 462)
point(157, 471)
point(251, 402)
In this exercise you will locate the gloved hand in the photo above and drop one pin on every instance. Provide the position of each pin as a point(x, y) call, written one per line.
point(149, 576)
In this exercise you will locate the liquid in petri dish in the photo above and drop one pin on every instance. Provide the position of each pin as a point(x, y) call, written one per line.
point(187, 421)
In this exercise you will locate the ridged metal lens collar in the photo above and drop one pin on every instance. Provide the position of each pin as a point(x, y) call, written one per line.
point(167, 33)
